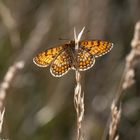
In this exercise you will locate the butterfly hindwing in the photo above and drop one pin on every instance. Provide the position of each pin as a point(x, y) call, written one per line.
point(44, 58)
point(96, 47)
point(84, 59)
point(61, 65)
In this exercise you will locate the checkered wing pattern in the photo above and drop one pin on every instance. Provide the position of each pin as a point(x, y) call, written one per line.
point(61, 65)
point(96, 47)
point(64, 57)
point(84, 59)
point(44, 58)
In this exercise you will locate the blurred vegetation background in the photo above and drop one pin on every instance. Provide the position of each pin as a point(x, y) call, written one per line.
point(40, 106)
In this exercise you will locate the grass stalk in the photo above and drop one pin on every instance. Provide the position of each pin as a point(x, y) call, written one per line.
point(78, 94)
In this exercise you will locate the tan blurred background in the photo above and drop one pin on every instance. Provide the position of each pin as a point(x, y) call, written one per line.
point(40, 106)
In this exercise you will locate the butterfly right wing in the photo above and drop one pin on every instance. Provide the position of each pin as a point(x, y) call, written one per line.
point(44, 58)
point(85, 60)
point(96, 47)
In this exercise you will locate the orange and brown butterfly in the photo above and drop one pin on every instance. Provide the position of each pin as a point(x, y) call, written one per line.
point(64, 57)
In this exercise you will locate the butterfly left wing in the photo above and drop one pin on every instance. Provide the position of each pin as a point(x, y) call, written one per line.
point(44, 58)
point(61, 65)
point(96, 47)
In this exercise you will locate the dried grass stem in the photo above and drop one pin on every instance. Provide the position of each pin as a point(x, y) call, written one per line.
point(78, 94)
point(79, 104)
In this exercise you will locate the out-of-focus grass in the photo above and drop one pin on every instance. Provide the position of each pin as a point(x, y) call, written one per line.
point(34, 89)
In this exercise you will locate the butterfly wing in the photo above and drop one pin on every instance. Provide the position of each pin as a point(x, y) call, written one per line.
point(84, 59)
point(96, 47)
point(44, 58)
point(61, 65)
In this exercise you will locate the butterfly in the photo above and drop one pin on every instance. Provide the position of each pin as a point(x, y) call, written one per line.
point(64, 57)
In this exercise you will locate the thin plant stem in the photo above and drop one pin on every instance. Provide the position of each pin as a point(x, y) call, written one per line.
point(132, 58)
point(127, 80)
point(78, 94)
point(115, 119)
point(79, 104)
point(41, 29)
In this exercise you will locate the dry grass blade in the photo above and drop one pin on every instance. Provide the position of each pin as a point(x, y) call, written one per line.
point(132, 59)
point(8, 79)
point(1, 119)
point(36, 36)
point(115, 118)
point(127, 80)
point(78, 94)
point(5, 85)
point(79, 104)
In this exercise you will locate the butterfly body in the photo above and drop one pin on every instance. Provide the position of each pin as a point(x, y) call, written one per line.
point(64, 57)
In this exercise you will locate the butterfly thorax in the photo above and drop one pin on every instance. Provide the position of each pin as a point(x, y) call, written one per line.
point(73, 53)
point(71, 46)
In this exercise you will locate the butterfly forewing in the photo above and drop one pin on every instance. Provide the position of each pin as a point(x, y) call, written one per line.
point(44, 58)
point(84, 59)
point(61, 64)
point(96, 47)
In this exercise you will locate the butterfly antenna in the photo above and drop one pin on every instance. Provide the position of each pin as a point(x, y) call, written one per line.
point(64, 39)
